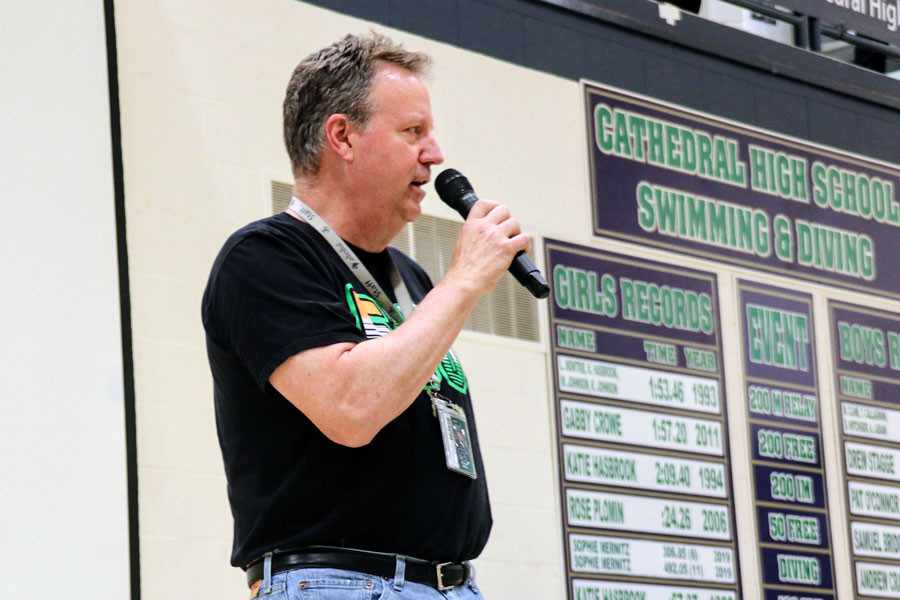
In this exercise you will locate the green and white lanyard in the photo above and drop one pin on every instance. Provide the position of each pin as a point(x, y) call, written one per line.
point(452, 419)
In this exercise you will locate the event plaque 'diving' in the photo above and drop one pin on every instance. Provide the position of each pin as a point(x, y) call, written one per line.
point(642, 428)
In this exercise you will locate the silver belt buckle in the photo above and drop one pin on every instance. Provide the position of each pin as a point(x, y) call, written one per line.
point(440, 577)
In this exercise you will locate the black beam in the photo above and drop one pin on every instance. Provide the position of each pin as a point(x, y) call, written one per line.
point(741, 47)
point(112, 66)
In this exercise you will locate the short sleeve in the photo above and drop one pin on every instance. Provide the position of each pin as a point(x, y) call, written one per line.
point(272, 298)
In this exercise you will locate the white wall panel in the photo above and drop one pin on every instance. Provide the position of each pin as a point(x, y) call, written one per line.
point(64, 506)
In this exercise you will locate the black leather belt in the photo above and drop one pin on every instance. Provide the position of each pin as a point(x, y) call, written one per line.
point(442, 575)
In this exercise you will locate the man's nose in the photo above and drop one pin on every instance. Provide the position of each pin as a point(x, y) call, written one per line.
point(431, 154)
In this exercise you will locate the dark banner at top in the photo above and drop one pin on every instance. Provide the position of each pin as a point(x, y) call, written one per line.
point(669, 177)
point(876, 18)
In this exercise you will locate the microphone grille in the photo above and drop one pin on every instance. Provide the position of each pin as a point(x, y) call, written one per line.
point(451, 184)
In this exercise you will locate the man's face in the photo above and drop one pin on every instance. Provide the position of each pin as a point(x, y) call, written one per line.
point(393, 155)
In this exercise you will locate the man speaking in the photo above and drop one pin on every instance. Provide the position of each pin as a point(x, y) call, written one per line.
point(343, 415)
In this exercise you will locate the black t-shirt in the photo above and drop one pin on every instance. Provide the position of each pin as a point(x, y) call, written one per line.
point(277, 288)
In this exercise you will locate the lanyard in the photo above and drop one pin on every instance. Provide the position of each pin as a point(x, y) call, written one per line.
point(359, 270)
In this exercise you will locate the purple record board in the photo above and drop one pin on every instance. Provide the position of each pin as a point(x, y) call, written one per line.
point(784, 415)
point(638, 380)
point(670, 177)
point(866, 357)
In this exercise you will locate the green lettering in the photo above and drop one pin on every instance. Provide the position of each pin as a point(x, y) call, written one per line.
point(602, 126)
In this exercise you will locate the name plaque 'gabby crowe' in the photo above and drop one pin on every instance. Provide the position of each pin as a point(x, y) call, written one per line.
point(674, 178)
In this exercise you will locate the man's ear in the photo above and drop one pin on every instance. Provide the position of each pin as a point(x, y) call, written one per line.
point(338, 130)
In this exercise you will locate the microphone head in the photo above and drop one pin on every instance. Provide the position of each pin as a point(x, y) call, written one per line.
point(452, 186)
point(537, 285)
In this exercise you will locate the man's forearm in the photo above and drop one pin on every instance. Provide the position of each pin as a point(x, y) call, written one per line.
point(351, 391)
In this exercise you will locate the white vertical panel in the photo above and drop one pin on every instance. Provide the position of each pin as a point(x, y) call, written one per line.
point(63, 509)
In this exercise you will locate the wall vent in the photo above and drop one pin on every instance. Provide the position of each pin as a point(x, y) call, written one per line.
point(281, 196)
point(509, 310)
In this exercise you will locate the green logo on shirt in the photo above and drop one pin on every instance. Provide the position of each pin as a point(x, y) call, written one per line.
point(451, 370)
point(370, 318)
point(375, 323)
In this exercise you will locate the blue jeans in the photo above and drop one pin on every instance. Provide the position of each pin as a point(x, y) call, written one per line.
point(339, 584)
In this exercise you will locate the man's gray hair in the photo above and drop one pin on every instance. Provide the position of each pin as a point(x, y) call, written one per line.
point(336, 80)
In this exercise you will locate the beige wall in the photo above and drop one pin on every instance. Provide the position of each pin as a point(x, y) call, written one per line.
point(201, 87)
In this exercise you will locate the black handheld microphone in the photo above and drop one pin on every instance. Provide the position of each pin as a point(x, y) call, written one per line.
point(457, 193)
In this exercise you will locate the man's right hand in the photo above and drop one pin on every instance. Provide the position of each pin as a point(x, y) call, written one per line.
point(487, 244)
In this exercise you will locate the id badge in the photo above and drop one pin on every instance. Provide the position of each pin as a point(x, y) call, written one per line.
point(455, 435)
